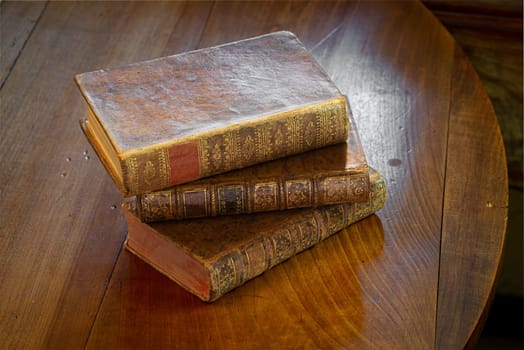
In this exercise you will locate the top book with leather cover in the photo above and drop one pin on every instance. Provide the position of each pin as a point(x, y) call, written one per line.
point(179, 118)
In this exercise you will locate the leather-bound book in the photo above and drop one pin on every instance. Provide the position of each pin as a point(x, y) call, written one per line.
point(211, 256)
point(176, 119)
point(330, 175)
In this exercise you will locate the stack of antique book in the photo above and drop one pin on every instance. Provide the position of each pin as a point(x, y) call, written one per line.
point(232, 159)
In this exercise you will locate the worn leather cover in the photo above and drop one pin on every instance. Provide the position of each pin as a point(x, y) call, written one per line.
point(179, 118)
point(211, 256)
point(330, 175)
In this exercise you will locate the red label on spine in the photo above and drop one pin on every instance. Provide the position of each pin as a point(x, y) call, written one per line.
point(184, 163)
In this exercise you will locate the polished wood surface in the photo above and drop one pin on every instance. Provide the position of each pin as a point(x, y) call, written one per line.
point(490, 32)
point(417, 275)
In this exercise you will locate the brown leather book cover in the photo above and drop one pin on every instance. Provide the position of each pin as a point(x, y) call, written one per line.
point(211, 256)
point(176, 119)
point(330, 175)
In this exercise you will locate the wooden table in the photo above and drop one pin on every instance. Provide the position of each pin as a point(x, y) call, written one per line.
point(417, 275)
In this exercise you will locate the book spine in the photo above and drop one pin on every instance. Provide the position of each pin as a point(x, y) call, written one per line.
point(204, 199)
point(273, 248)
point(236, 147)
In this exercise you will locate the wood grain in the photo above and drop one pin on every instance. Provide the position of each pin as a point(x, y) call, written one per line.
point(59, 222)
point(311, 21)
point(468, 246)
point(17, 21)
point(390, 84)
point(287, 305)
point(490, 33)
point(395, 280)
point(497, 58)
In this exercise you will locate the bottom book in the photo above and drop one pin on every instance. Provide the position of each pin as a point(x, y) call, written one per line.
point(211, 256)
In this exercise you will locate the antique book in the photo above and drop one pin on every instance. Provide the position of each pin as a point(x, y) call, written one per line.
point(211, 256)
point(179, 118)
point(329, 175)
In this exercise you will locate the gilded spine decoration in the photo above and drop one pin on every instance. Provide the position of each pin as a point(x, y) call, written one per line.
point(130, 174)
point(240, 146)
point(142, 171)
point(274, 137)
point(245, 197)
point(155, 206)
point(265, 196)
point(256, 257)
point(273, 248)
